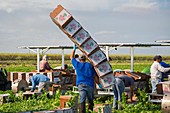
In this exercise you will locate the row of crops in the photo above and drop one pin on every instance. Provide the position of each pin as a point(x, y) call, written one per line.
point(40, 103)
point(30, 56)
point(28, 62)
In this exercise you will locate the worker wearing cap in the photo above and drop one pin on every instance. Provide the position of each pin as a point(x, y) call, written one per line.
point(84, 80)
point(156, 72)
point(122, 81)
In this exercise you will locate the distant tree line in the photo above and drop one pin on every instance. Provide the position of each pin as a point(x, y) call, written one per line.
point(30, 56)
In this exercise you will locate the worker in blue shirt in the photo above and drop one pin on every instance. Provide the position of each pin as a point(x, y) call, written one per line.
point(42, 81)
point(85, 78)
point(165, 65)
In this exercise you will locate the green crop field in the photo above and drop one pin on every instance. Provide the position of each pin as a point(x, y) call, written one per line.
point(27, 62)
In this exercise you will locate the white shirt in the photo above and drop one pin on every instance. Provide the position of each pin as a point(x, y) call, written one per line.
point(156, 70)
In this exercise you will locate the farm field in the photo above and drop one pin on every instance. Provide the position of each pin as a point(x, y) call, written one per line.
point(19, 104)
point(27, 62)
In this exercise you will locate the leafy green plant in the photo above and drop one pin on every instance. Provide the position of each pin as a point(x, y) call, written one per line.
point(73, 100)
point(98, 100)
point(35, 103)
point(104, 100)
point(12, 97)
point(142, 105)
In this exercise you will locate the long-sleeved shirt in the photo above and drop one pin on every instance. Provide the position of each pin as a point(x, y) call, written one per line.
point(44, 65)
point(36, 79)
point(156, 70)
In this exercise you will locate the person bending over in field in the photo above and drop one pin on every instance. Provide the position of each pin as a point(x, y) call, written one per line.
point(122, 81)
point(44, 65)
point(41, 80)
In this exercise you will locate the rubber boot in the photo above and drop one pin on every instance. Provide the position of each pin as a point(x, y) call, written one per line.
point(82, 108)
point(90, 108)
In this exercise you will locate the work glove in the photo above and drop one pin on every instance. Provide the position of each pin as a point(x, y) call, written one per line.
point(100, 86)
point(75, 47)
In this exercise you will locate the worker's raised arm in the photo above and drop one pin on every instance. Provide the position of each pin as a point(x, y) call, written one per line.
point(73, 52)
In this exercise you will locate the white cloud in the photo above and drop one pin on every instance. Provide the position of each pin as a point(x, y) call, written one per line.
point(30, 23)
point(137, 6)
point(14, 5)
point(87, 5)
point(80, 5)
point(8, 6)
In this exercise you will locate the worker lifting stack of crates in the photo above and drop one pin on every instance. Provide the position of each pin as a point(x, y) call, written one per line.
point(86, 44)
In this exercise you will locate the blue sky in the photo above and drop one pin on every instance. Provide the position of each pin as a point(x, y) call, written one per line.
point(27, 23)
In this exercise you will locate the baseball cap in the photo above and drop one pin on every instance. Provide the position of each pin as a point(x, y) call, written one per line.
point(157, 57)
point(117, 70)
point(82, 57)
